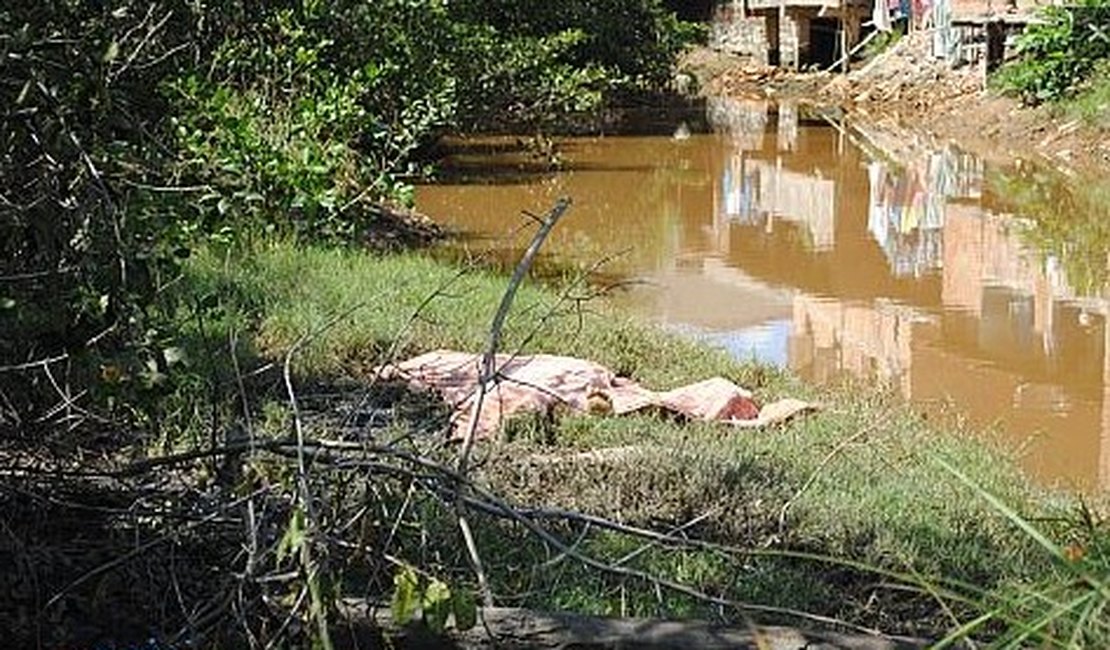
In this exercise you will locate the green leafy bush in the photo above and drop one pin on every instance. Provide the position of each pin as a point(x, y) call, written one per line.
point(307, 110)
point(130, 130)
point(86, 232)
point(635, 41)
point(514, 80)
point(1060, 53)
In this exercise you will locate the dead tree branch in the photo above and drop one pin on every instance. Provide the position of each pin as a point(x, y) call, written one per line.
point(487, 375)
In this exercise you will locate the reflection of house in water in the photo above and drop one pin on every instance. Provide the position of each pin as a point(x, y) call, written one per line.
point(991, 367)
point(906, 213)
point(776, 174)
point(869, 340)
point(905, 275)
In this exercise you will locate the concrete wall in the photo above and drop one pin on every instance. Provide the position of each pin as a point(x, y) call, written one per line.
point(745, 31)
point(732, 31)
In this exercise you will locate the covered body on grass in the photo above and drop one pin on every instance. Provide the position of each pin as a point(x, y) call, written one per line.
point(543, 383)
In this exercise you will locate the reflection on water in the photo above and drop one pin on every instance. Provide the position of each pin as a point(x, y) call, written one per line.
point(781, 238)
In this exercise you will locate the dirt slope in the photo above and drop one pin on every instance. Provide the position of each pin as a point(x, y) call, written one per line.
point(921, 101)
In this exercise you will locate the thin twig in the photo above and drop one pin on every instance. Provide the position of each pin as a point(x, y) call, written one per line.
point(485, 377)
point(308, 564)
point(143, 548)
point(816, 473)
point(489, 360)
point(485, 501)
point(34, 364)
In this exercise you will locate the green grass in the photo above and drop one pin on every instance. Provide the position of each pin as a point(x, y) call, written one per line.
point(1091, 105)
point(859, 483)
point(838, 511)
point(407, 304)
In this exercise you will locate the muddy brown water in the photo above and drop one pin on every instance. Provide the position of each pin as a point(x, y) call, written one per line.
point(790, 240)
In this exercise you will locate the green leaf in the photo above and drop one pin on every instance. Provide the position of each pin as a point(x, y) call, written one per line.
point(437, 605)
point(294, 536)
point(173, 355)
point(1009, 513)
point(404, 602)
point(466, 610)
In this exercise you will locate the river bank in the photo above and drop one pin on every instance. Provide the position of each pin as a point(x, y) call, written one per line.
point(823, 515)
point(199, 450)
point(868, 514)
point(922, 103)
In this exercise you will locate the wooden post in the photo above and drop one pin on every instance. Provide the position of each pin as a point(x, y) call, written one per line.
point(803, 25)
point(843, 37)
point(996, 44)
point(782, 24)
point(771, 28)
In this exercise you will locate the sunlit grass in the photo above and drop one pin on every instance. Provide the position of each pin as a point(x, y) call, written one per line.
point(849, 513)
point(1091, 105)
point(360, 308)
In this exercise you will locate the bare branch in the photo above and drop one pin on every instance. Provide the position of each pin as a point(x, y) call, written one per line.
point(487, 374)
point(34, 364)
point(489, 360)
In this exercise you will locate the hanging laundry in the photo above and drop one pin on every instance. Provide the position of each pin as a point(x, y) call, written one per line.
point(880, 17)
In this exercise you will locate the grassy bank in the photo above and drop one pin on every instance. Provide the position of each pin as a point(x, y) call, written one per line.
point(1090, 103)
point(848, 513)
point(409, 303)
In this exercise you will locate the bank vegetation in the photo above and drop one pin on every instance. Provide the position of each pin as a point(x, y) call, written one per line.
point(206, 253)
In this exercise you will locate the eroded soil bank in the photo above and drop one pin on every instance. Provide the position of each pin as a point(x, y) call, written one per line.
point(918, 101)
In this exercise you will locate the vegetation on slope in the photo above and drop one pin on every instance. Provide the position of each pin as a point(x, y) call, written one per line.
point(194, 450)
point(837, 514)
point(1062, 56)
point(135, 131)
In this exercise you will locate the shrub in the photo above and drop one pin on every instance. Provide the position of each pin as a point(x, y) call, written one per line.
point(130, 130)
point(307, 109)
point(86, 234)
point(634, 40)
point(1057, 55)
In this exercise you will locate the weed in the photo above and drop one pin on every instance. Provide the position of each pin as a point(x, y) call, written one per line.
point(1091, 103)
point(1059, 53)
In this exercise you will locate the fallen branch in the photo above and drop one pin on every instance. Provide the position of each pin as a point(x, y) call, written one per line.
point(511, 628)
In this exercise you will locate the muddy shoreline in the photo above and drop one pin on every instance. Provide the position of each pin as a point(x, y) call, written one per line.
point(917, 103)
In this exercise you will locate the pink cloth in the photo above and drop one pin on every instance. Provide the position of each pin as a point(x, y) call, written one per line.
point(543, 382)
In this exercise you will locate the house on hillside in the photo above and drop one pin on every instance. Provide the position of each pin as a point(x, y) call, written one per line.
point(792, 33)
point(803, 34)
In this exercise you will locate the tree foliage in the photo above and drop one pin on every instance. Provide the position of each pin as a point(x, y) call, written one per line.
point(1059, 54)
point(83, 226)
point(130, 130)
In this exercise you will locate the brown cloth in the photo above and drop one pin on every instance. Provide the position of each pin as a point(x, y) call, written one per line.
point(542, 382)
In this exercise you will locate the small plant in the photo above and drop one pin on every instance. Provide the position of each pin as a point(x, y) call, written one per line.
point(1066, 607)
point(433, 600)
point(881, 43)
point(1060, 53)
